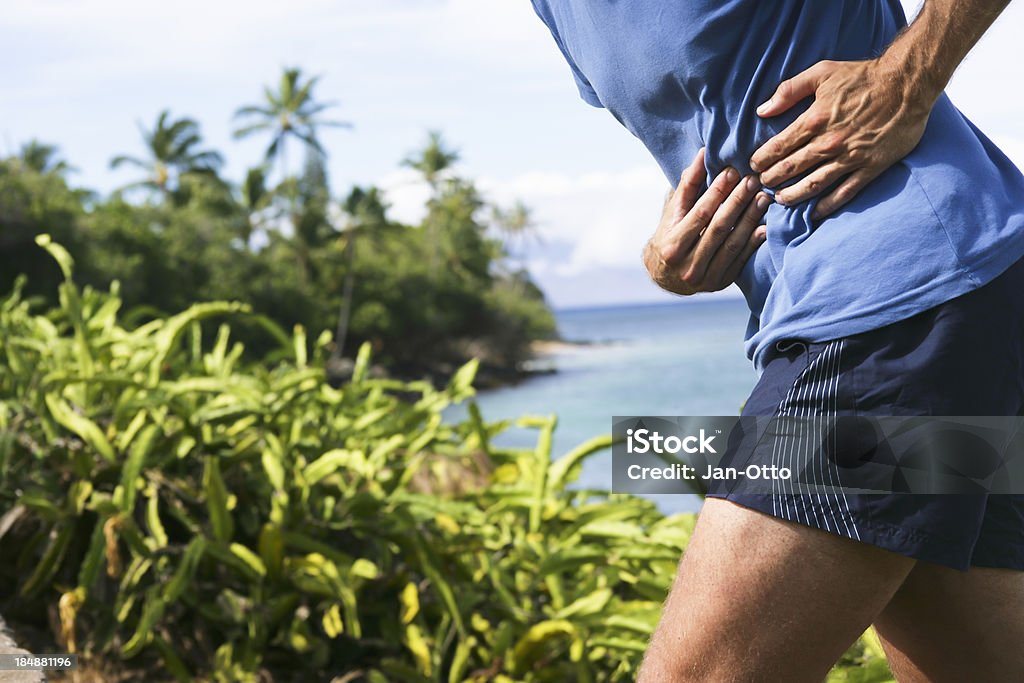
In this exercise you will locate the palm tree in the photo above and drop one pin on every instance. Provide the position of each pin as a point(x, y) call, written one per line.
point(256, 198)
point(290, 112)
point(516, 225)
point(363, 210)
point(42, 158)
point(432, 162)
point(173, 152)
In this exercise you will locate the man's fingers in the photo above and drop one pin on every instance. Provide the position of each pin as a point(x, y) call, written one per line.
point(685, 231)
point(817, 151)
point(816, 182)
point(732, 272)
point(753, 215)
point(795, 89)
point(795, 136)
point(691, 182)
point(703, 211)
point(737, 240)
point(698, 222)
point(671, 234)
point(846, 191)
point(726, 216)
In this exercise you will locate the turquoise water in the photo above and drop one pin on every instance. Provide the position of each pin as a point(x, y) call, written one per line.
point(682, 358)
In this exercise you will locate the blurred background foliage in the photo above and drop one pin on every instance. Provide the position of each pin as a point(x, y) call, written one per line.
point(427, 297)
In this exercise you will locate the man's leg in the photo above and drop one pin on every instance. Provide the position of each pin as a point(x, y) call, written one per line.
point(758, 598)
point(947, 625)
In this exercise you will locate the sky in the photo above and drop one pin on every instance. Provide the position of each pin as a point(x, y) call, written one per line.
point(85, 74)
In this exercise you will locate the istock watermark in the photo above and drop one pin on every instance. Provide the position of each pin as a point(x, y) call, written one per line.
point(646, 441)
point(818, 454)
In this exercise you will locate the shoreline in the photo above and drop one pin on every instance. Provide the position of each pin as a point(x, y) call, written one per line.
point(548, 347)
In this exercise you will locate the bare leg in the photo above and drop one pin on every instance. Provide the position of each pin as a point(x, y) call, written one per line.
point(761, 599)
point(945, 625)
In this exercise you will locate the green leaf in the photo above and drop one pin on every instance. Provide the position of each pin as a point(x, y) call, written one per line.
point(558, 476)
point(153, 523)
point(299, 334)
point(152, 611)
point(586, 605)
point(272, 467)
point(48, 565)
point(217, 500)
point(537, 640)
point(461, 384)
point(249, 557)
point(132, 467)
point(428, 562)
point(186, 570)
point(362, 363)
point(364, 569)
point(89, 569)
point(330, 462)
point(59, 254)
point(171, 330)
point(80, 425)
point(271, 547)
point(542, 466)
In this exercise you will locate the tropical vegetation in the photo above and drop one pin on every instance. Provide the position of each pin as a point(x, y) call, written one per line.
point(183, 511)
point(428, 297)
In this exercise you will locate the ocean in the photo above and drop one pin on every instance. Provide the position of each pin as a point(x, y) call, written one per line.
point(676, 358)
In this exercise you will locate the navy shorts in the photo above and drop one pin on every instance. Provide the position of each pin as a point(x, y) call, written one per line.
point(964, 357)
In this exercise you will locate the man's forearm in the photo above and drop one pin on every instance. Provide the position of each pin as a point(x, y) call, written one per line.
point(928, 52)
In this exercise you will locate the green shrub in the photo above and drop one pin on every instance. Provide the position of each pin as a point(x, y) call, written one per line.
point(235, 524)
point(237, 520)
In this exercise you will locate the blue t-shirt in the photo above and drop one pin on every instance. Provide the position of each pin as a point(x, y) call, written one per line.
point(681, 74)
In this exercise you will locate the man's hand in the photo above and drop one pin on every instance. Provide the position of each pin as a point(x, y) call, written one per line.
point(703, 241)
point(863, 120)
point(867, 115)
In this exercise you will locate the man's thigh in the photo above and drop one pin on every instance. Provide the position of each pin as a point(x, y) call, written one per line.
point(947, 625)
point(757, 598)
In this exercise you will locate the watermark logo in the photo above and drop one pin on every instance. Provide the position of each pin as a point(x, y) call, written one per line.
point(649, 441)
point(818, 454)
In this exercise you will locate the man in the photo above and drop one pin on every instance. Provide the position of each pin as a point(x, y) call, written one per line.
point(887, 280)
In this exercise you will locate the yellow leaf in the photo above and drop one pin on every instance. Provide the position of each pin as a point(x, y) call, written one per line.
point(333, 625)
point(410, 603)
point(418, 646)
point(447, 522)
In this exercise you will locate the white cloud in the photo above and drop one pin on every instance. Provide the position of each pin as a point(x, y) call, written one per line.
point(605, 217)
point(406, 194)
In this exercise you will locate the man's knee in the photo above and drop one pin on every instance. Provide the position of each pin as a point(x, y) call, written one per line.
point(696, 665)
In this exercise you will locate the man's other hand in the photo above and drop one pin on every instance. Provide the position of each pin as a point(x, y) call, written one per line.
point(703, 240)
point(866, 116)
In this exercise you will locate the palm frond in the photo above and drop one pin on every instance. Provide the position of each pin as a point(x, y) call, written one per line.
point(246, 131)
point(253, 110)
point(274, 146)
point(122, 159)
